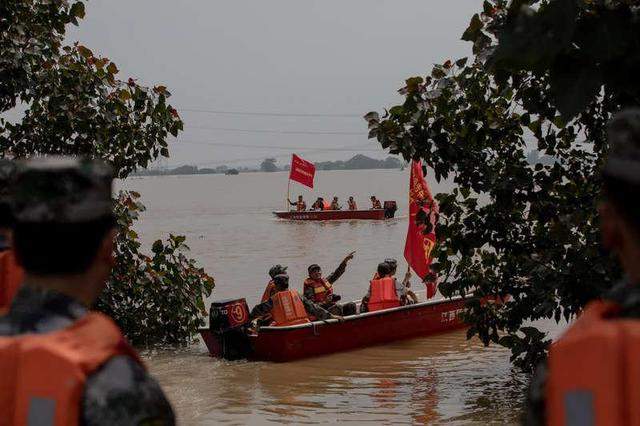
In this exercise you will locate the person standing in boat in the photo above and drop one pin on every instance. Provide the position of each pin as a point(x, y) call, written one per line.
point(79, 369)
point(335, 205)
point(300, 205)
point(286, 307)
point(320, 289)
point(375, 203)
point(352, 204)
point(583, 378)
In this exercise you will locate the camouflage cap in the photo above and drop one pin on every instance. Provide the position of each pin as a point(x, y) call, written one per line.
point(391, 262)
point(623, 161)
point(277, 269)
point(62, 190)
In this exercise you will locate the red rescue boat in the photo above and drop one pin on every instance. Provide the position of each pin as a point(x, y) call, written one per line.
point(387, 212)
point(281, 344)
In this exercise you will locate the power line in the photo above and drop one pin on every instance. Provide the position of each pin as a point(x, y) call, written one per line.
point(289, 148)
point(269, 114)
point(280, 132)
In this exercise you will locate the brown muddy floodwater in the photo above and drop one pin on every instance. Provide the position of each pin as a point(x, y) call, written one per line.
point(232, 233)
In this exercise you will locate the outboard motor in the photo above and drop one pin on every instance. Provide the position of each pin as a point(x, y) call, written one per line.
point(227, 338)
point(390, 208)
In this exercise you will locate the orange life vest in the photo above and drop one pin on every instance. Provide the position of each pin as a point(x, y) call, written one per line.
point(376, 205)
point(288, 309)
point(11, 275)
point(593, 370)
point(43, 375)
point(268, 292)
point(383, 294)
point(301, 206)
point(352, 205)
point(322, 289)
point(326, 205)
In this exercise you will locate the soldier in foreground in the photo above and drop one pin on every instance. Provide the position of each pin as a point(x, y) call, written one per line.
point(63, 365)
point(591, 374)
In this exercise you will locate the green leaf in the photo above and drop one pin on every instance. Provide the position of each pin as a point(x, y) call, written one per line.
point(438, 72)
point(112, 68)
point(474, 29)
point(84, 52)
point(77, 10)
point(461, 62)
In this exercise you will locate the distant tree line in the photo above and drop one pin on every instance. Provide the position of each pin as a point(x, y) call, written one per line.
point(358, 162)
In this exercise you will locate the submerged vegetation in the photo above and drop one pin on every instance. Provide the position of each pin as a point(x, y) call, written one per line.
point(66, 100)
point(544, 75)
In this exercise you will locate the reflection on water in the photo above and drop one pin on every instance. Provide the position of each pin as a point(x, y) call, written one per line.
point(232, 233)
point(442, 378)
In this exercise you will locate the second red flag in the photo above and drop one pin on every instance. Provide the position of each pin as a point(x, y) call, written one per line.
point(302, 171)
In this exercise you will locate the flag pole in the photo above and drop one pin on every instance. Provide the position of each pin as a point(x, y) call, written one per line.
point(288, 196)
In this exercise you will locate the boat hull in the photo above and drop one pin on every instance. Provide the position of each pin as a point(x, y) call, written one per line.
point(378, 214)
point(281, 344)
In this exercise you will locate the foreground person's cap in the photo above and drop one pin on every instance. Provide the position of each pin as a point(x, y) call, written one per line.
point(62, 190)
point(623, 161)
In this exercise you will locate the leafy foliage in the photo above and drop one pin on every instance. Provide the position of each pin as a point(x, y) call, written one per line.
point(72, 102)
point(509, 227)
point(157, 298)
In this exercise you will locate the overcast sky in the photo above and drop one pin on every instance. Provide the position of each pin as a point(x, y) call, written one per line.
point(316, 66)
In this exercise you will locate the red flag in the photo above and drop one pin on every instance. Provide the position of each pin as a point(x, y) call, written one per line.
point(417, 249)
point(302, 171)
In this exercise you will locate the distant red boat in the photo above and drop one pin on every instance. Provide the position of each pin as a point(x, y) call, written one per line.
point(289, 343)
point(387, 212)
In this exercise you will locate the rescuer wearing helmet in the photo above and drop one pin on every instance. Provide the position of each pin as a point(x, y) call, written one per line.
point(64, 365)
point(591, 373)
point(270, 290)
point(408, 296)
point(318, 204)
point(385, 291)
point(286, 307)
point(352, 204)
point(320, 290)
point(335, 204)
point(375, 203)
point(10, 273)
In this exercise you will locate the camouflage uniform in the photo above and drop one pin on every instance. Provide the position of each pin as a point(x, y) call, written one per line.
point(623, 163)
point(54, 191)
point(627, 295)
point(332, 278)
point(332, 306)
